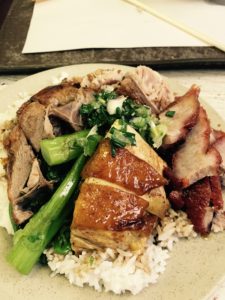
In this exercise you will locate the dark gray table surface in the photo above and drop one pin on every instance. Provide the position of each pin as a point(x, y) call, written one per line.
point(14, 30)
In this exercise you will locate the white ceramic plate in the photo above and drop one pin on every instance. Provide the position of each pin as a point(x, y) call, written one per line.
point(194, 269)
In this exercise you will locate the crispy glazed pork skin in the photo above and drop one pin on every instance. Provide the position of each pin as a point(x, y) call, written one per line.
point(147, 87)
point(186, 110)
point(196, 159)
point(124, 169)
point(105, 216)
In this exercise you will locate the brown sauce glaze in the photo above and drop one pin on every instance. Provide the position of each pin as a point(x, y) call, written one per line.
point(125, 169)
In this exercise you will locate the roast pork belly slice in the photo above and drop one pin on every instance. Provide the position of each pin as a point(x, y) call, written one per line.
point(33, 119)
point(101, 78)
point(124, 169)
point(70, 111)
point(105, 216)
point(196, 159)
point(147, 87)
point(186, 109)
point(56, 95)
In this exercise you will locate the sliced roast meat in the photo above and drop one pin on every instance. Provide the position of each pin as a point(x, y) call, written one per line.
point(196, 159)
point(34, 194)
point(201, 201)
point(100, 78)
point(33, 119)
point(20, 160)
point(197, 202)
point(70, 111)
point(184, 116)
point(25, 180)
point(147, 87)
point(56, 95)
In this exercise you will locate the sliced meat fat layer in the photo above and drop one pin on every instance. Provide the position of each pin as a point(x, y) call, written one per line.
point(147, 87)
point(124, 169)
point(196, 159)
point(185, 110)
point(33, 119)
point(119, 217)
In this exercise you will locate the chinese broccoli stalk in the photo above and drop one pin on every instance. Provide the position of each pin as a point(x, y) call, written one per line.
point(61, 149)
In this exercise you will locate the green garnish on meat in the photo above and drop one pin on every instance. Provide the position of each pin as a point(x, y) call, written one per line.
point(170, 113)
point(137, 115)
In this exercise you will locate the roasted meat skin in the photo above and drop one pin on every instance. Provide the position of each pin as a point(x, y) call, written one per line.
point(124, 169)
point(105, 216)
point(196, 158)
point(186, 110)
point(197, 202)
point(108, 208)
point(56, 95)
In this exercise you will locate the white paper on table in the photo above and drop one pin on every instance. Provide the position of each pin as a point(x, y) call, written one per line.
point(203, 16)
point(58, 25)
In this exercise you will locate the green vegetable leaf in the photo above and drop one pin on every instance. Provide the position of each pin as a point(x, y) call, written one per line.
point(170, 113)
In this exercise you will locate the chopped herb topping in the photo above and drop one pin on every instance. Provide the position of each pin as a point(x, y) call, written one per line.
point(170, 113)
point(91, 260)
point(119, 138)
point(136, 115)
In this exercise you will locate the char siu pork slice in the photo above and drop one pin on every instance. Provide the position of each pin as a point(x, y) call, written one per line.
point(196, 159)
point(185, 111)
point(147, 87)
point(34, 121)
point(25, 181)
point(197, 202)
point(106, 217)
point(202, 200)
point(56, 95)
point(70, 111)
point(100, 78)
